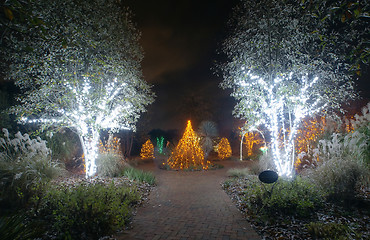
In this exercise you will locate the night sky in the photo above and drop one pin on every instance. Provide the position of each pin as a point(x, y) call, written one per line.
point(180, 40)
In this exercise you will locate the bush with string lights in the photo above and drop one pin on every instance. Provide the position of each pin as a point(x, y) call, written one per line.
point(147, 150)
point(224, 149)
point(188, 154)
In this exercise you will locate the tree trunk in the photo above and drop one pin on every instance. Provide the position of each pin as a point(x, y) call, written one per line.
point(241, 147)
point(89, 143)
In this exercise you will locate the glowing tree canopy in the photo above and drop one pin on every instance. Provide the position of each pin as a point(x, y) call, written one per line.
point(279, 73)
point(80, 69)
point(188, 152)
point(224, 149)
point(147, 150)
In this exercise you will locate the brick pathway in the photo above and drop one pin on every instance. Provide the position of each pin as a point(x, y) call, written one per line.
point(189, 205)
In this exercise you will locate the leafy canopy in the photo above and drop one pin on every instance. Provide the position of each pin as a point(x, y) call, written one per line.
point(79, 67)
point(280, 73)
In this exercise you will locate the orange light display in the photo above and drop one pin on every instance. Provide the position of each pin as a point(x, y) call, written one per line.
point(224, 149)
point(188, 153)
point(250, 139)
point(147, 150)
point(348, 124)
point(307, 135)
point(111, 146)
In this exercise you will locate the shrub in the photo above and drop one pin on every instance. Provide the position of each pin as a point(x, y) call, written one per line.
point(25, 166)
point(298, 197)
point(147, 150)
point(138, 175)
point(109, 164)
point(17, 228)
point(224, 149)
point(343, 163)
point(265, 162)
point(110, 161)
point(64, 144)
point(87, 211)
point(329, 231)
point(160, 159)
point(238, 172)
point(208, 132)
point(228, 183)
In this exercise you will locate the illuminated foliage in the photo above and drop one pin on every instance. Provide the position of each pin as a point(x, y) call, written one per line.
point(251, 139)
point(113, 145)
point(224, 149)
point(80, 69)
point(307, 135)
point(147, 150)
point(160, 142)
point(188, 154)
point(280, 74)
point(310, 135)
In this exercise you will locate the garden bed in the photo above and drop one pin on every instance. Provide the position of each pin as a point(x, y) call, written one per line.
point(74, 207)
point(329, 221)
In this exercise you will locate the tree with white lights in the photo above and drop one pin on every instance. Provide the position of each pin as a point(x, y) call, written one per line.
point(279, 73)
point(80, 68)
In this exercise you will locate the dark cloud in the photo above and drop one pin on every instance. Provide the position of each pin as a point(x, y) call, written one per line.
point(180, 39)
point(164, 53)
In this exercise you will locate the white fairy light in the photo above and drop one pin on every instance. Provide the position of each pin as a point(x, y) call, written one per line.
point(89, 112)
point(274, 110)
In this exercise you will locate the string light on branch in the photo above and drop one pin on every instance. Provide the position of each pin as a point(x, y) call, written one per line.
point(88, 88)
point(276, 79)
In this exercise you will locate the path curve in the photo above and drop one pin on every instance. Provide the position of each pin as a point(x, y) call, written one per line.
point(189, 205)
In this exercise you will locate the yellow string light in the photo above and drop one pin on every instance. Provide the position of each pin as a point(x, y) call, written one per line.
point(188, 152)
point(307, 135)
point(250, 139)
point(111, 146)
point(147, 150)
point(224, 149)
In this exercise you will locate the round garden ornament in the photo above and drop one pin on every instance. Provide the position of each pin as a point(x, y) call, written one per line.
point(268, 176)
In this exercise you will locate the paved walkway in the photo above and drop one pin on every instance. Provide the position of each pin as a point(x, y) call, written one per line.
point(189, 205)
